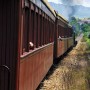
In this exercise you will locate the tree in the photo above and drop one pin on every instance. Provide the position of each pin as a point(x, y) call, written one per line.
point(85, 27)
point(75, 24)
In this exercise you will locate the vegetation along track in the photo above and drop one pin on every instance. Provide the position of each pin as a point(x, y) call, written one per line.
point(72, 73)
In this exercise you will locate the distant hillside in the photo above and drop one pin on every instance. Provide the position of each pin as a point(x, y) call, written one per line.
point(77, 10)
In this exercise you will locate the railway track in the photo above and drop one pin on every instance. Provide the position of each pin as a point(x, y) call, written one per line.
point(72, 73)
point(79, 37)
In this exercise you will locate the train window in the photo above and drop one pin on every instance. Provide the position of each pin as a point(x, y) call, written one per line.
point(58, 30)
point(63, 32)
point(31, 38)
point(47, 31)
point(36, 30)
point(50, 32)
point(26, 30)
point(40, 30)
point(53, 32)
point(44, 30)
point(66, 33)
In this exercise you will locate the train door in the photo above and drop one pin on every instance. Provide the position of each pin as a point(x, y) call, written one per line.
point(8, 43)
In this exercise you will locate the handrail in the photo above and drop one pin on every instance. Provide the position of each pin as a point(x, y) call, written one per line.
point(8, 69)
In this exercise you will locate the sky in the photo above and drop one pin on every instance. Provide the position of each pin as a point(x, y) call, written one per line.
point(85, 3)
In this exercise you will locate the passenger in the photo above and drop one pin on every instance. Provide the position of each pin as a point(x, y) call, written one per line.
point(31, 45)
point(60, 38)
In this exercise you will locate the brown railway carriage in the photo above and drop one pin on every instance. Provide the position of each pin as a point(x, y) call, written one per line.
point(30, 33)
point(22, 22)
point(38, 23)
point(9, 29)
point(63, 36)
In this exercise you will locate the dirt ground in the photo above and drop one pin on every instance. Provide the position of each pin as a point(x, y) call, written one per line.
point(72, 73)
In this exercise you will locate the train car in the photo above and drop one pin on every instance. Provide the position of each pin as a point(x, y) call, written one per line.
point(60, 45)
point(63, 36)
point(37, 40)
point(26, 43)
point(9, 43)
point(30, 34)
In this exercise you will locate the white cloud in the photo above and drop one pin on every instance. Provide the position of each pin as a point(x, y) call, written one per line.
point(85, 3)
point(55, 1)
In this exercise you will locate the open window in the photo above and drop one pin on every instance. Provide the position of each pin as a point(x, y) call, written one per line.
point(26, 30)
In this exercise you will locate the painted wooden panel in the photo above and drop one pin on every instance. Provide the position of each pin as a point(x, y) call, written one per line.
point(8, 43)
point(34, 67)
point(62, 46)
point(59, 48)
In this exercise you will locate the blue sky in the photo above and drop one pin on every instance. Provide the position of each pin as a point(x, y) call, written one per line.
point(85, 3)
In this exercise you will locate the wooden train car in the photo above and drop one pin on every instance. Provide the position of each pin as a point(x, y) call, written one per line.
point(30, 34)
point(60, 44)
point(38, 22)
point(63, 36)
point(9, 43)
point(26, 43)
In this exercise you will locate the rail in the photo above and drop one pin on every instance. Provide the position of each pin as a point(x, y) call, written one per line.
point(2, 67)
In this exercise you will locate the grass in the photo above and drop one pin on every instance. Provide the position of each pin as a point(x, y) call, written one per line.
point(73, 72)
point(86, 39)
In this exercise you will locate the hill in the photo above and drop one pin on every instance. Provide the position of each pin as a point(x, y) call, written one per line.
point(69, 11)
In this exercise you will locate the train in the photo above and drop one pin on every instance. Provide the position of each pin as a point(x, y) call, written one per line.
point(32, 36)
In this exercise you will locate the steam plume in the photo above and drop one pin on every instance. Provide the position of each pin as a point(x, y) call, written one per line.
point(72, 2)
point(70, 9)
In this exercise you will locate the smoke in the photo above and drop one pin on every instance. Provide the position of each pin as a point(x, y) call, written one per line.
point(69, 7)
point(72, 2)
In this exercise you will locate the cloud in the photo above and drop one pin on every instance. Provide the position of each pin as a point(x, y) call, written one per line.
point(72, 2)
point(85, 3)
point(55, 1)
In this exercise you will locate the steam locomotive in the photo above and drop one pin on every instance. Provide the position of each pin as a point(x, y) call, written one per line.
point(32, 37)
